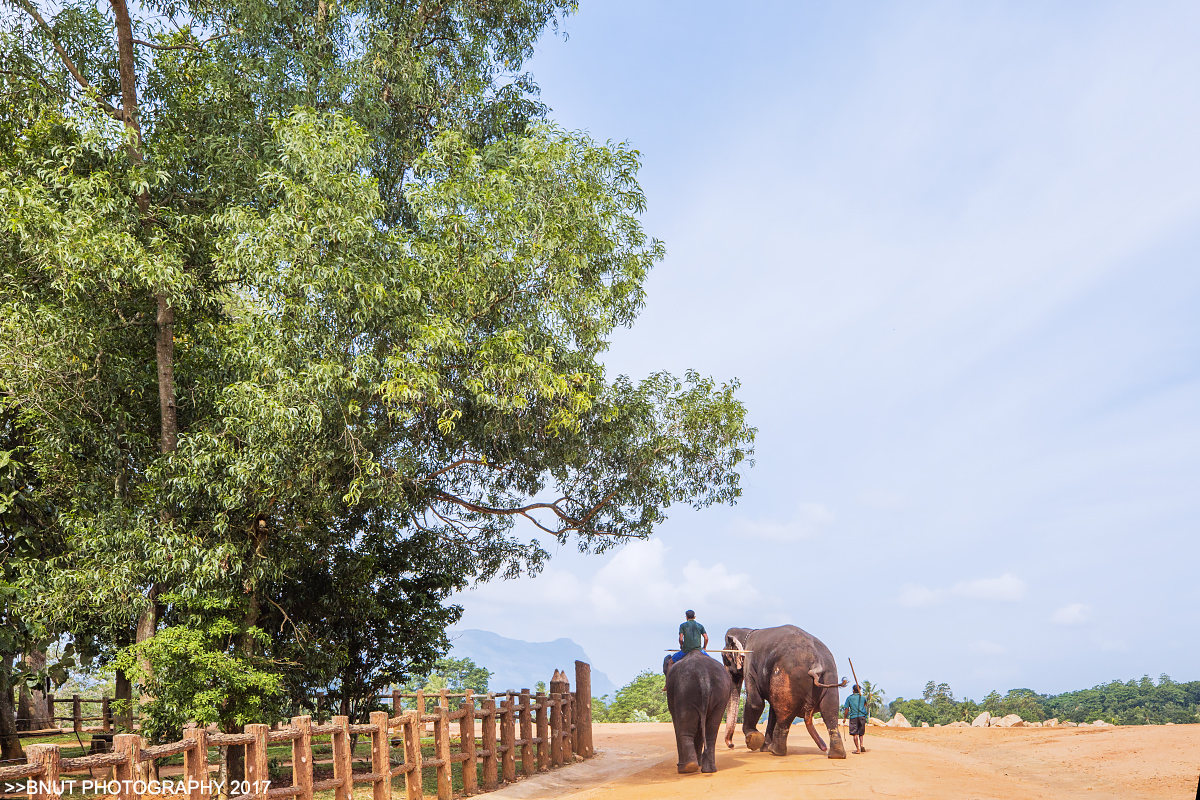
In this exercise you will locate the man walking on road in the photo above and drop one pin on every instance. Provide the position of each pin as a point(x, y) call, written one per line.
point(690, 634)
point(856, 711)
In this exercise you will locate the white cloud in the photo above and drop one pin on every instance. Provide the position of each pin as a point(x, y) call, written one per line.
point(809, 521)
point(1007, 588)
point(987, 648)
point(1072, 614)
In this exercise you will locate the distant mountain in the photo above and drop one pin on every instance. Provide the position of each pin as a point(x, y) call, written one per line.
point(515, 664)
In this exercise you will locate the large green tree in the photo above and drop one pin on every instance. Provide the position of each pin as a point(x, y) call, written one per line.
point(292, 287)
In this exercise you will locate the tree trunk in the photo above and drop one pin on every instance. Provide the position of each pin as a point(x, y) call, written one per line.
point(34, 708)
point(10, 743)
point(124, 717)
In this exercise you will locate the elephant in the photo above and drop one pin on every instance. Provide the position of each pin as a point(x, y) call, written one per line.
point(697, 687)
point(793, 671)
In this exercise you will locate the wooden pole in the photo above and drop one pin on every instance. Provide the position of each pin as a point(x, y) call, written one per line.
point(414, 778)
point(381, 762)
point(583, 714)
point(466, 743)
point(46, 784)
point(441, 750)
point(302, 766)
point(76, 714)
point(257, 774)
point(555, 728)
point(195, 763)
point(320, 707)
point(342, 767)
point(543, 732)
point(105, 714)
point(50, 711)
point(488, 743)
point(568, 722)
point(528, 765)
point(508, 736)
point(129, 745)
point(396, 701)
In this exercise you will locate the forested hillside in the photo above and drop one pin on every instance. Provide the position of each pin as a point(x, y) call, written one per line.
point(1141, 702)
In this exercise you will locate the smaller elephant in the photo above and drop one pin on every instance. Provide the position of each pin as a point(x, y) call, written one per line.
point(697, 689)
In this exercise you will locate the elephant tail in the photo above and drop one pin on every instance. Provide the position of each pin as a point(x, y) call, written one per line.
point(816, 673)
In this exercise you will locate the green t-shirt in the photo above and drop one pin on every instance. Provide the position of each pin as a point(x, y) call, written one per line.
point(692, 631)
point(856, 705)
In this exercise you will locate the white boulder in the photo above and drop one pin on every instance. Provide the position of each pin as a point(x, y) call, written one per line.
point(983, 720)
point(926, 725)
point(1009, 721)
point(876, 721)
point(959, 724)
point(1069, 724)
point(1050, 723)
point(899, 721)
point(1100, 724)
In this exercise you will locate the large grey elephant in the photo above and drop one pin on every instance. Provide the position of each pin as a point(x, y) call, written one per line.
point(793, 671)
point(697, 688)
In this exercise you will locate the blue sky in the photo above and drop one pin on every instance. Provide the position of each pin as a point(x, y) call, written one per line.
point(950, 251)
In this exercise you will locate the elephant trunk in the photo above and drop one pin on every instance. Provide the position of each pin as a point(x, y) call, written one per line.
point(731, 712)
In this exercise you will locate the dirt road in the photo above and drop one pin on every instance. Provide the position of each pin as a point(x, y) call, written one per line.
point(638, 761)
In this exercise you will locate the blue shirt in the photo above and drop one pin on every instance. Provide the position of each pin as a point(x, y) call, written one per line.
point(856, 705)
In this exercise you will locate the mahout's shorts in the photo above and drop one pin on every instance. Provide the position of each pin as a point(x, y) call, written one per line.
point(858, 726)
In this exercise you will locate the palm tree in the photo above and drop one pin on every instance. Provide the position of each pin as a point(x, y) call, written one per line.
point(873, 696)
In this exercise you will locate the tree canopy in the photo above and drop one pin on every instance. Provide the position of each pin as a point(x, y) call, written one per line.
point(303, 306)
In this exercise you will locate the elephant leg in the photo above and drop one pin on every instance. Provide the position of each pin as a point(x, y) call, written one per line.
point(708, 759)
point(779, 733)
point(812, 730)
point(829, 715)
point(772, 721)
point(750, 716)
point(685, 745)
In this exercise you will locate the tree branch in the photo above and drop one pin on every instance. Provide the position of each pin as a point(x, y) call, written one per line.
point(66, 59)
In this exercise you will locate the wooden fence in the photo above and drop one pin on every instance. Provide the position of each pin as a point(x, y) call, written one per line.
point(545, 730)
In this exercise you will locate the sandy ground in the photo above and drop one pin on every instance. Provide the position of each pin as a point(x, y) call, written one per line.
point(638, 761)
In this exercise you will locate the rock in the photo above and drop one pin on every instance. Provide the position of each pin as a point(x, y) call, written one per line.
point(1170, 723)
point(1050, 723)
point(937, 724)
point(1009, 721)
point(1069, 724)
point(983, 720)
point(876, 721)
point(1100, 724)
point(1034, 724)
point(899, 721)
point(959, 724)
point(926, 725)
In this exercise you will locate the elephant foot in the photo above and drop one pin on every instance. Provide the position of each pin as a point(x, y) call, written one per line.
point(709, 769)
point(836, 750)
point(689, 768)
point(754, 740)
point(778, 748)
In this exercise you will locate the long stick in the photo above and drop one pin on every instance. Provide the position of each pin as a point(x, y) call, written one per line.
point(852, 670)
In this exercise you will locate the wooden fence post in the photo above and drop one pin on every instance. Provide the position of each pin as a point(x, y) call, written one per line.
point(466, 743)
point(257, 775)
point(302, 757)
point(76, 714)
point(487, 743)
point(50, 710)
point(127, 744)
point(340, 741)
point(568, 723)
point(413, 779)
point(381, 762)
point(441, 749)
point(105, 714)
point(528, 766)
point(195, 763)
point(396, 701)
point(555, 729)
point(508, 737)
point(543, 732)
point(46, 785)
point(421, 709)
point(583, 715)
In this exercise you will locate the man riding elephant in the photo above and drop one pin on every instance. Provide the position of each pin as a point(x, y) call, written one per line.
point(794, 672)
point(697, 686)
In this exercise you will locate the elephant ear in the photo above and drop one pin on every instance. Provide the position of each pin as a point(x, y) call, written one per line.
point(735, 660)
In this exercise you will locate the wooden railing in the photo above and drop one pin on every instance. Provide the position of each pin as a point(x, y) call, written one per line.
point(548, 730)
